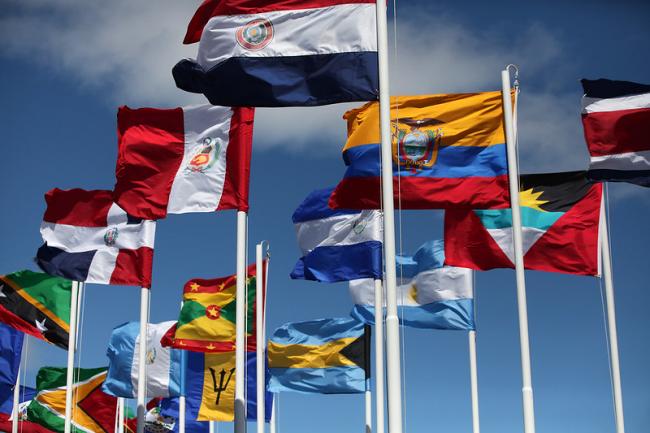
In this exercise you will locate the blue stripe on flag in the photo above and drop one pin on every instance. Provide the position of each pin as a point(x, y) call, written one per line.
point(430, 255)
point(315, 207)
point(333, 380)
point(448, 315)
point(317, 332)
point(340, 263)
point(120, 353)
point(73, 266)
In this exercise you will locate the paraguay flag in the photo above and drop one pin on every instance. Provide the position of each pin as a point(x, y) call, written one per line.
point(616, 120)
point(89, 238)
point(560, 215)
point(269, 53)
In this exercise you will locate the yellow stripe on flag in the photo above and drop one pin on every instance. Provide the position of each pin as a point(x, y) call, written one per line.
point(309, 356)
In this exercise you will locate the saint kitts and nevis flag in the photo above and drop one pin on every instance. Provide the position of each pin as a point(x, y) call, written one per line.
point(181, 160)
point(560, 215)
point(448, 150)
point(616, 120)
point(270, 53)
point(206, 322)
point(93, 411)
point(90, 238)
point(37, 304)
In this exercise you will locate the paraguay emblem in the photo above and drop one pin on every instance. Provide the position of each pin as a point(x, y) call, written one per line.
point(110, 237)
point(204, 156)
point(359, 226)
point(416, 147)
point(255, 34)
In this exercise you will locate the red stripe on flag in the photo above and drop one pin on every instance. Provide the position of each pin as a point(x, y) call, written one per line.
point(212, 8)
point(238, 160)
point(151, 144)
point(133, 268)
point(424, 193)
point(78, 207)
point(612, 132)
point(9, 318)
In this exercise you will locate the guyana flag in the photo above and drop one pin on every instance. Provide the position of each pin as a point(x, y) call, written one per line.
point(560, 215)
point(37, 304)
point(207, 319)
point(93, 411)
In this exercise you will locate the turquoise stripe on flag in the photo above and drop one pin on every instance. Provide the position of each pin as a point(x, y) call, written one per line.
point(333, 380)
point(317, 332)
point(502, 218)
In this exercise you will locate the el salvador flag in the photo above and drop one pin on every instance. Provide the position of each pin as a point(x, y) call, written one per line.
point(164, 365)
point(429, 295)
point(337, 245)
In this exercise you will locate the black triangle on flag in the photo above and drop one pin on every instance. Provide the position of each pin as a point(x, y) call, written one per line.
point(358, 351)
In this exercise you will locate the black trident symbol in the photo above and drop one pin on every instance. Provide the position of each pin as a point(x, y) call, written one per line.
point(222, 386)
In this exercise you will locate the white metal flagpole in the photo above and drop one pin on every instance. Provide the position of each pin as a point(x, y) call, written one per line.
point(611, 318)
point(120, 414)
point(240, 319)
point(473, 373)
point(70, 365)
point(368, 407)
point(15, 411)
point(393, 351)
point(379, 356)
point(273, 423)
point(260, 327)
point(513, 180)
point(142, 353)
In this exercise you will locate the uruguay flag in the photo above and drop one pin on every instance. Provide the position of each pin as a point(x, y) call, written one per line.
point(164, 365)
point(269, 53)
point(337, 245)
point(429, 294)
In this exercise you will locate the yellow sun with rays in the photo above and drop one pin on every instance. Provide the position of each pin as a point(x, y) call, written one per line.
point(413, 293)
point(529, 198)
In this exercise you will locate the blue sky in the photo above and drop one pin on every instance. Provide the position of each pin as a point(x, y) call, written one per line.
point(67, 65)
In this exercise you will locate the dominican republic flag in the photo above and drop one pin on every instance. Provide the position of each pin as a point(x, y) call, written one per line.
point(337, 245)
point(429, 294)
point(89, 238)
point(164, 365)
point(560, 215)
point(270, 53)
point(616, 119)
point(181, 160)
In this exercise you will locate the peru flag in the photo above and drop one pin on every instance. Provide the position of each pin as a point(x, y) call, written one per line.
point(616, 120)
point(181, 160)
point(89, 238)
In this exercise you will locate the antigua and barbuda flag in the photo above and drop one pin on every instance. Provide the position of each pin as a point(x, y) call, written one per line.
point(90, 238)
point(448, 150)
point(429, 294)
point(616, 120)
point(560, 215)
point(269, 53)
point(164, 365)
point(181, 160)
point(337, 245)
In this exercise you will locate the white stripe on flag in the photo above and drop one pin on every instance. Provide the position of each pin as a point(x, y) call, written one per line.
point(329, 30)
point(102, 267)
point(622, 161)
point(339, 230)
point(74, 239)
point(594, 105)
point(158, 361)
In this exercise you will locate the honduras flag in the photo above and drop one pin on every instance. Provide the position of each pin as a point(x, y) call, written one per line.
point(429, 294)
point(164, 365)
point(337, 245)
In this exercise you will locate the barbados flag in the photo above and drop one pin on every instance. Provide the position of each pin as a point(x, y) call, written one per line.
point(448, 150)
point(560, 215)
point(324, 356)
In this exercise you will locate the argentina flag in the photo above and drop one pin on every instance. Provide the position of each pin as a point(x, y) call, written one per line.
point(337, 245)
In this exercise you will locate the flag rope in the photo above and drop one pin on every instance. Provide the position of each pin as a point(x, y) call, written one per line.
point(23, 372)
point(81, 311)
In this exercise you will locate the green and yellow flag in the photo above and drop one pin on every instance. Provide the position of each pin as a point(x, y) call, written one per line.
point(207, 319)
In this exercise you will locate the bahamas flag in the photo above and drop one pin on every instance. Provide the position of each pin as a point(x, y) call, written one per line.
point(325, 356)
point(560, 216)
point(207, 319)
point(448, 150)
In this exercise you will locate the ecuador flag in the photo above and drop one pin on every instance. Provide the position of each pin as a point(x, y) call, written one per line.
point(560, 215)
point(37, 304)
point(207, 319)
point(448, 150)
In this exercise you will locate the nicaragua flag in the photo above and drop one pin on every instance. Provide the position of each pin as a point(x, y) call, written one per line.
point(429, 295)
point(337, 245)
point(164, 365)
point(89, 238)
point(266, 53)
point(616, 120)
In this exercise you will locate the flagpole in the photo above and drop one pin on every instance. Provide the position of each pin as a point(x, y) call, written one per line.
point(272, 424)
point(71, 349)
point(473, 373)
point(120, 414)
point(14, 412)
point(513, 180)
point(260, 327)
point(240, 323)
point(142, 353)
point(611, 318)
point(393, 351)
point(181, 414)
point(379, 356)
point(368, 407)
point(211, 426)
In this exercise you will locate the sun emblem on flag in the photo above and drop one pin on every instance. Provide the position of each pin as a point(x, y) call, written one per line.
point(416, 146)
point(213, 312)
point(204, 157)
point(110, 237)
point(255, 34)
